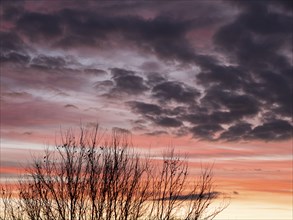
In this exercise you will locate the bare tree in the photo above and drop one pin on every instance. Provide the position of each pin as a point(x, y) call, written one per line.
point(83, 178)
point(202, 196)
point(9, 205)
point(168, 184)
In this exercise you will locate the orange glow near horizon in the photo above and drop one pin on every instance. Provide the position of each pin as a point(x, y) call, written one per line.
point(257, 181)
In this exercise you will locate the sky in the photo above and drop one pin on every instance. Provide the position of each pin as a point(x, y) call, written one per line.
point(211, 78)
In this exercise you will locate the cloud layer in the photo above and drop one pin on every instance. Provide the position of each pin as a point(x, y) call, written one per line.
point(176, 68)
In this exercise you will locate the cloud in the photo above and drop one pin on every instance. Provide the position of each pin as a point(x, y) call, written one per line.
point(13, 48)
point(154, 78)
point(156, 114)
point(127, 82)
point(256, 83)
point(236, 132)
point(156, 133)
point(175, 91)
point(229, 77)
point(272, 130)
point(12, 10)
point(16, 95)
point(206, 131)
point(224, 76)
point(27, 133)
point(237, 104)
point(212, 195)
point(11, 42)
point(167, 121)
point(15, 58)
point(280, 88)
point(164, 34)
point(150, 66)
point(95, 72)
point(39, 26)
point(146, 35)
point(214, 117)
point(49, 62)
point(262, 40)
point(70, 106)
point(145, 108)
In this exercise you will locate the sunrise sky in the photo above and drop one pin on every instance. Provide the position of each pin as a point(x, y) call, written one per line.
point(211, 78)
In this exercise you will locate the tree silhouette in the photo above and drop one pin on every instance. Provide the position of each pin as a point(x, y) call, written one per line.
point(83, 178)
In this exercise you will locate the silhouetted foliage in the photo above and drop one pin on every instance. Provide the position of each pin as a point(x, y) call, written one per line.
point(83, 178)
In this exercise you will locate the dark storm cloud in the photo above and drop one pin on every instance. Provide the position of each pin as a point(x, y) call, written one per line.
point(255, 41)
point(117, 72)
point(206, 131)
point(229, 77)
point(260, 78)
point(279, 88)
point(12, 10)
point(175, 91)
point(16, 58)
point(272, 130)
point(237, 105)
point(48, 62)
point(145, 108)
point(237, 132)
point(255, 32)
point(155, 78)
point(159, 35)
point(214, 117)
point(155, 113)
point(163, 35)
point(250, 79)
point(39, 26)
point(126, 81)
point(11, 42)
point(176, 111)
point(13, 49)
point(220, 107)
point(167, 122)
point(261, 72)
point(285, 4)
